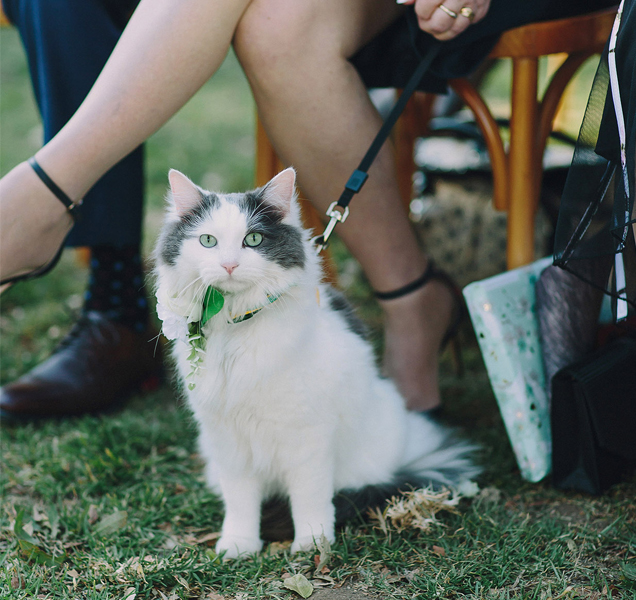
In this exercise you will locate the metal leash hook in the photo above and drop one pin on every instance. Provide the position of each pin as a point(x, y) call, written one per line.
point(335, 216)
point(353, 186)
point(360, 175)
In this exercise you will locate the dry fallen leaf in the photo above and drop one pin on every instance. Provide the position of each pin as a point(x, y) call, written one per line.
point(209, 537)
point(277, 548)
point(439, 550)
point(324, 547)
point(111, 523)
point(416, 509)
point(93, 515)
point(299, 584)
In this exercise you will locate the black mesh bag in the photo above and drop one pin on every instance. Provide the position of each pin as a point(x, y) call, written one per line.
point(596, 216)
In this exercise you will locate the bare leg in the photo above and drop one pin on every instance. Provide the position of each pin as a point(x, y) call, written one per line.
point(319, 117)
point(164, 56)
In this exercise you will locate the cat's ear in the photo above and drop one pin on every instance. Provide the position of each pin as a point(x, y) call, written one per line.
point(280, 191)
point(185, 194)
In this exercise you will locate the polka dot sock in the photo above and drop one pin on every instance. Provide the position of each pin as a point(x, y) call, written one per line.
point(116, 286)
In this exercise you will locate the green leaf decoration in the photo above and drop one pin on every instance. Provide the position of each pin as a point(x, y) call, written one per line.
point(299, 584)
point(212, 304)
point(111, 523)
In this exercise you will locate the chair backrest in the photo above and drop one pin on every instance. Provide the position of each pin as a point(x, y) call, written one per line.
point(584, 33)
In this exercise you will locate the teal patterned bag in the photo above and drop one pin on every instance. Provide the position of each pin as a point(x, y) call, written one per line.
point(503, 311)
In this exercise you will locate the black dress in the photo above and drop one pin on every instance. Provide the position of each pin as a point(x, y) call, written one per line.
point(390, 58)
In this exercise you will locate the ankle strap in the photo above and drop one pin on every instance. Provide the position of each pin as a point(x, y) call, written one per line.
point(49, 183)
point(409, 287)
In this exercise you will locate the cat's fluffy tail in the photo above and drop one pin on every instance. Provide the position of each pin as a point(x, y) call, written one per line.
point(437, 458)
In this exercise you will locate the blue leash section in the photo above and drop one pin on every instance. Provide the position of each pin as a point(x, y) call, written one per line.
point(360, 175)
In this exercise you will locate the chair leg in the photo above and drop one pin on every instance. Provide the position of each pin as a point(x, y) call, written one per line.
point(523, 163)
point(267, 163)
point(492, 136)
point(413, 123)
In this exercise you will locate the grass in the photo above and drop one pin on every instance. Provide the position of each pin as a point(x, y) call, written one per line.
point(115, 506)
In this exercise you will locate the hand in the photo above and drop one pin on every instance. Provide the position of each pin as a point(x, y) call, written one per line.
point(442, 25)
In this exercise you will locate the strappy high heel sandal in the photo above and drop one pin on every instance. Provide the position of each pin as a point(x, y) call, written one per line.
point(71, 207)
point(460, 312)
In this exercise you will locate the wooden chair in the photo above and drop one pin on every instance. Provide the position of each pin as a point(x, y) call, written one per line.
point(517, 174)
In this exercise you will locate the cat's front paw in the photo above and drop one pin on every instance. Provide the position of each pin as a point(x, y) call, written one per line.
point(234, 547)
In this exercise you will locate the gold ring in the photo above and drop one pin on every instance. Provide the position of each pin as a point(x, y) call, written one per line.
point(467, 12)
point(448, 11)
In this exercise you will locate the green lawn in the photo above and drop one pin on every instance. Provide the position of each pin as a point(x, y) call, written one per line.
point(115, 506)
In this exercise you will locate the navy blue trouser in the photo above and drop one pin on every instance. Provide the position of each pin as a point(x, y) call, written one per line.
point(67, 43)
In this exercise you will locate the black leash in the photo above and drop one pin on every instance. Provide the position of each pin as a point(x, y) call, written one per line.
point(360, 175)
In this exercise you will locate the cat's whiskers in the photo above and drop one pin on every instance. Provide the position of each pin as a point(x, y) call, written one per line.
point(197, 297)
point(183, 290)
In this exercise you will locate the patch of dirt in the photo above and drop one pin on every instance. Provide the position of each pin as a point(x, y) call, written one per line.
point(569, 511)
point(349, 591)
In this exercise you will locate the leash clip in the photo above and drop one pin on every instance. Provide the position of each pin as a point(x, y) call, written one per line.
point(335, 216)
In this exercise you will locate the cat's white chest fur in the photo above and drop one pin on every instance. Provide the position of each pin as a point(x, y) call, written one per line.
point(278, 386)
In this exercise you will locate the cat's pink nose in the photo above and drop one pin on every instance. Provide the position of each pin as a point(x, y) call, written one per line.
point(229, 267)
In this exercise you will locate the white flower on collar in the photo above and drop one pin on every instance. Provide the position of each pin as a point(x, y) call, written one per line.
point(181, 303)
point(175, 327)
point(176, 311)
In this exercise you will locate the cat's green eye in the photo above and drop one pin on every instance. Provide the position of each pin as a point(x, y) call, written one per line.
point(207, 240)
point(253, 239)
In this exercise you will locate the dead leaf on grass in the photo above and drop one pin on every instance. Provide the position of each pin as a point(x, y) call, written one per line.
point(130, 594)
point(111, 523)
point(209, 537)
point(324, 547)
point(299, 584)
point(276, 548)
point(93, 515)
point(416, 509)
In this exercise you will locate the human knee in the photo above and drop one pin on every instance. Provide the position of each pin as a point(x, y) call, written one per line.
point(275, 35)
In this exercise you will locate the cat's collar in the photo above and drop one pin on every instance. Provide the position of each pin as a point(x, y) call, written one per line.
point(213, 302)
point(271, 298)
point(250, 313)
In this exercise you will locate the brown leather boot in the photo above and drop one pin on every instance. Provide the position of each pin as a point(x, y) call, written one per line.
point(97, 367)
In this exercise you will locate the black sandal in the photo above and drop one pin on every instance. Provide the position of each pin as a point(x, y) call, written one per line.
point(460, 312)
point(71, 207)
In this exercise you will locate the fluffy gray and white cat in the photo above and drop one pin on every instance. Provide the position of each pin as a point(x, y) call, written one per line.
point(281, 380)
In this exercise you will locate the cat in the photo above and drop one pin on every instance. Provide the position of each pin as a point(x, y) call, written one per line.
point(277, 370)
